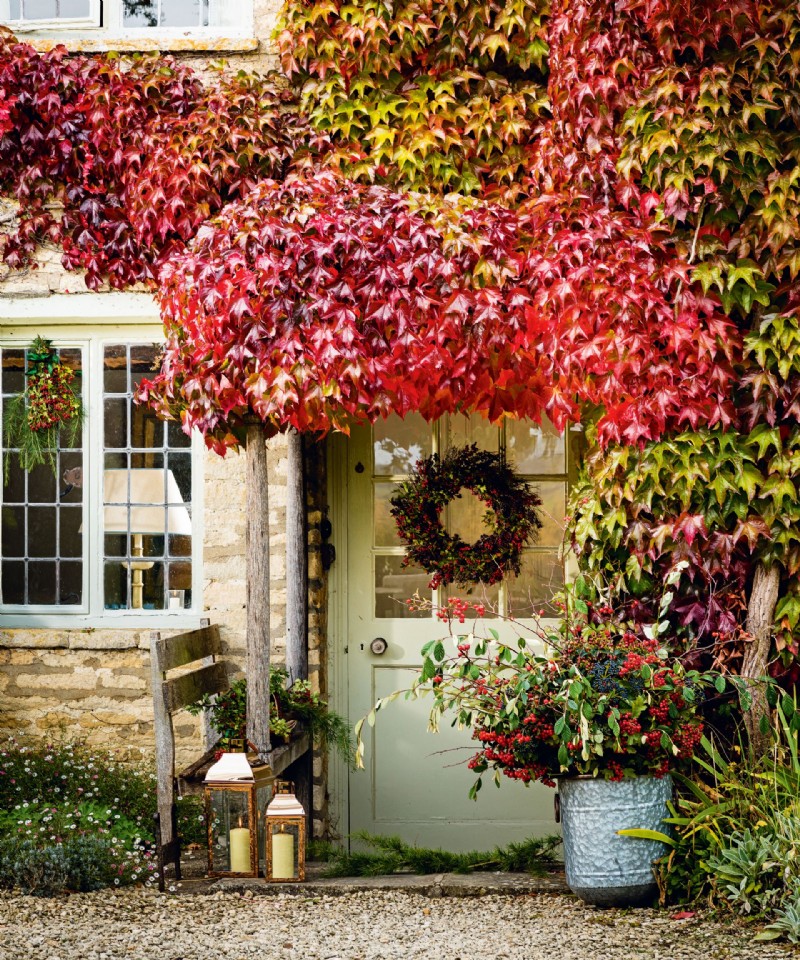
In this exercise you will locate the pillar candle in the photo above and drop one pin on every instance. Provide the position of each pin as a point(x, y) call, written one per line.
point(282, 856)
point(240, 850)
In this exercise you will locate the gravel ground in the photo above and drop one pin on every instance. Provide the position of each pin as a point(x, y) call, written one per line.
point(135, 924)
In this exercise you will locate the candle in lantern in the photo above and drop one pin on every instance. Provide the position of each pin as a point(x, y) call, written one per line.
point(240, 849)
point(282, 855)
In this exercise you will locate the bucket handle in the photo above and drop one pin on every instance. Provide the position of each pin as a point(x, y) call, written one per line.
point(557, 807)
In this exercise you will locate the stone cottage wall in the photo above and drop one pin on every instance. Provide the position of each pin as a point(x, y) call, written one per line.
point(94, 684)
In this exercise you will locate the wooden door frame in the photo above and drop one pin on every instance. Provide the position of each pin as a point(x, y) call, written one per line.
point(337, 652)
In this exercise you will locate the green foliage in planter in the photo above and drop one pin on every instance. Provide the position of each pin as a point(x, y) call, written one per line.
point(291, 704)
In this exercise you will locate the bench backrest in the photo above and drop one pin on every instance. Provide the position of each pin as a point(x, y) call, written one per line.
point(173, 693)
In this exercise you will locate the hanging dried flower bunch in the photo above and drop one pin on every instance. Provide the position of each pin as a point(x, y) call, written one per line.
point(48, 403)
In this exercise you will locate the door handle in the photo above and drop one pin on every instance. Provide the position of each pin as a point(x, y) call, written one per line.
point(378, 646)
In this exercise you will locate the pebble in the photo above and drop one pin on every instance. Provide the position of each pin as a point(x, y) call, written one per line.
point(379, 925)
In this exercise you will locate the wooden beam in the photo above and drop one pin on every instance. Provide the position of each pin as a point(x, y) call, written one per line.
point(296, 562)
point(258, 612)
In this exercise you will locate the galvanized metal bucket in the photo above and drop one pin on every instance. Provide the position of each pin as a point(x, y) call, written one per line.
point(603, 868)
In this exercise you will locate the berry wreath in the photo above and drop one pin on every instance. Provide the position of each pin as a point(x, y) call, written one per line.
point(417, 508)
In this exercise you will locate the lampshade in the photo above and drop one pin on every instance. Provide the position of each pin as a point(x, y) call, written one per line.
point(151, 496)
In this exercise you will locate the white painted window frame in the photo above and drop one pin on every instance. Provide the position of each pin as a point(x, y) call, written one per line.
point(133, 323)
point(112, 24)
point(58, 23)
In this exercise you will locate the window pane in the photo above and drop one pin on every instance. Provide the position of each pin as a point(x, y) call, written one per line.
point(42, 532)
point(42, 582)
point(70, 538)
point(140, 13)
point(14, 538)
point(39, 9)
point(115, 422)
point(12, 588)
point(398, 444)
point(394, 584)
point(183, 13)
point(14, 491)
point(74, 8)
point(13, 371)
point(42, 520)
point(167, 13)
point(535, 448)
point(41, 485)
point(115, 369)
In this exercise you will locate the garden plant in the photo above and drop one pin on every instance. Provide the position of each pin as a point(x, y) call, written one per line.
point(76, 819)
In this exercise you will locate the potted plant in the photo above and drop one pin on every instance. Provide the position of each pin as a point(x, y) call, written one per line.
point(292, 706)
point(597, 705)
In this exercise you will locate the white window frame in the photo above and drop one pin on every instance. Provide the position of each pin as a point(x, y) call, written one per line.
point(112, 24)
point(92, 338)
point(56, 23)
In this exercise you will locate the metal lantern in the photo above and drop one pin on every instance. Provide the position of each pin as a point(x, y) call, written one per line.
point(237, 790)
point(285, 825)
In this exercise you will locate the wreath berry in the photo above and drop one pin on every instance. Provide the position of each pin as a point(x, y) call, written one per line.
point(417, 509)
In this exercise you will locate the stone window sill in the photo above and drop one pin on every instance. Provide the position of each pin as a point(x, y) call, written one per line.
point(128, 44)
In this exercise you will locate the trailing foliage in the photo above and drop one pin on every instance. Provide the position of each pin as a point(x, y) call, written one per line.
point(119, 160)
point(393, 855)
point(291, 704)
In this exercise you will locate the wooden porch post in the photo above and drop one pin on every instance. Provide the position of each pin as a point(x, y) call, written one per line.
point(296, 562)
point(258, 613)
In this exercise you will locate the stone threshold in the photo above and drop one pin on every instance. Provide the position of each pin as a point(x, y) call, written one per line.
point(433, 885)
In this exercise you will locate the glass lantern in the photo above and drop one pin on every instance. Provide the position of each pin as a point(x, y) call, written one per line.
point(285, 827)
point(237, 790)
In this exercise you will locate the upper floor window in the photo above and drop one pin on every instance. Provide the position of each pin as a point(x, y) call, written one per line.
point(130, 16)
point(112, 531)
point(62, 13)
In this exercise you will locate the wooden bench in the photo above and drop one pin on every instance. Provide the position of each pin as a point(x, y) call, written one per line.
point(200, 650)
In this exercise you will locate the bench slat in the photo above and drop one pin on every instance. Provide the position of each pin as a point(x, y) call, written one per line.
point(187, 647)
point(186, 689)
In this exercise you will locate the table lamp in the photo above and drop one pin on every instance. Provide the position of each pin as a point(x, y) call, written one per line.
point(143, 502)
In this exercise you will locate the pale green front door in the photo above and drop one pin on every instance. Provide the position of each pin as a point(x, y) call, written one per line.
point(416, 783)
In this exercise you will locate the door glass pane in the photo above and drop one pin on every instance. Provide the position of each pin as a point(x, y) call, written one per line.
point(535, 448)
point(463, 431)
point(468, 517)
point(541, 576)
point(385, 526)
point(398, 444)
point(394, 584)
point(41, 523)
point(553, 494)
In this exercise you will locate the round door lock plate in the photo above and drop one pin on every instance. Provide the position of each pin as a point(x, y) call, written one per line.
point(379, 646)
